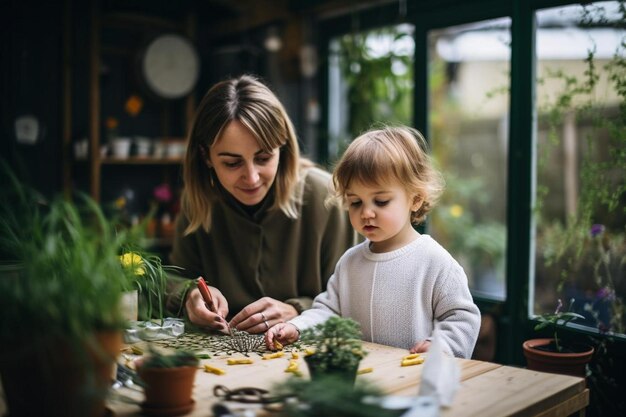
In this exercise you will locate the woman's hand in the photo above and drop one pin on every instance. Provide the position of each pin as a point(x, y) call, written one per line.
point(420, 347)
point(262, 314)
point(284, 333)
point(199, 313)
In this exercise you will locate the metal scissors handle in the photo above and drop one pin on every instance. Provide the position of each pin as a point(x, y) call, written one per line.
point(249, 395)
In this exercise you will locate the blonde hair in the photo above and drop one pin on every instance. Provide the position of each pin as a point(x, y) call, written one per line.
point(254, 105)
point(390, 154)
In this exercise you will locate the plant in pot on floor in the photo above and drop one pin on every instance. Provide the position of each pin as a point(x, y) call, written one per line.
point(60, 316)
point(337, 346)
point(168, 378)
point(553, 354)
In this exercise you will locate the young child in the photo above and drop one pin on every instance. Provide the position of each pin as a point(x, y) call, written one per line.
point(397, 282)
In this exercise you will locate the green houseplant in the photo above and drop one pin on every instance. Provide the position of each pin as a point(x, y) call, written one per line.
point(147, 276)
point(552, 354)
point(337, 346)
point(60, 320)
point(167, 378)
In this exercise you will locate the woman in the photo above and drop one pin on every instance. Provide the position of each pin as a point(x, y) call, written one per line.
point(253, 221)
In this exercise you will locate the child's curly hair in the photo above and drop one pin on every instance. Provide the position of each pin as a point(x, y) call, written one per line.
point(390, 154)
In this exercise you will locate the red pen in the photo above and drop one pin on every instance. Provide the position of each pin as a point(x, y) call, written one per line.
point(208, 300)
point(206, 294)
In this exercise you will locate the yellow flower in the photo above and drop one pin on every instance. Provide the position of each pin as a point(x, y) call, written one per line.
point(456, 210)
point(120, 202)
point(131, 260)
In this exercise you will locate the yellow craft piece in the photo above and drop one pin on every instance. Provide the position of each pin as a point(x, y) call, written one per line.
point(309, 351)
point(295, 355)
point(239, 361)
point(411, 356)
point(414, 361)
point(278, 345)
point(213, 370)
point(364, 371)
point(293, 366)
point(130, 363)
point(273, 355)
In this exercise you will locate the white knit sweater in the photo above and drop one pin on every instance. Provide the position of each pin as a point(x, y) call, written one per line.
point(397, 296)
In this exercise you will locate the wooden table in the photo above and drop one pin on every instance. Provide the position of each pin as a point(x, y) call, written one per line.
point(487, 389)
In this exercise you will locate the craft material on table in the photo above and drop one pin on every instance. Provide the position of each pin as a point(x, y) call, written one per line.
point(151, 330)
point(487, 389)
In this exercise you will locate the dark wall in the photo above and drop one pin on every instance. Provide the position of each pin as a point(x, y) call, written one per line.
point(31, 84)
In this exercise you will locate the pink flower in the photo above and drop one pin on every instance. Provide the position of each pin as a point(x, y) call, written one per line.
point(163, 193)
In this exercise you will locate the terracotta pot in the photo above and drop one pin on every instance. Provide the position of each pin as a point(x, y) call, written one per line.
point(555, 362)
point(54, 377)
point(168, 390)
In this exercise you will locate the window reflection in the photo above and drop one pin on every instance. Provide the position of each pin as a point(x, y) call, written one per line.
point(370, 81)
point(469, 100)
point(580, 236)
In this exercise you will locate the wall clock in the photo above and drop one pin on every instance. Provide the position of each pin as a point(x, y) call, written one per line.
point(170, 66)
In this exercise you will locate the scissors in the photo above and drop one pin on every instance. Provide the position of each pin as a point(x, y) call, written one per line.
point(248, 395)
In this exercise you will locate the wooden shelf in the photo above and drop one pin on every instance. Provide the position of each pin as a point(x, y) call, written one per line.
point(139, 22)
point(116, 25)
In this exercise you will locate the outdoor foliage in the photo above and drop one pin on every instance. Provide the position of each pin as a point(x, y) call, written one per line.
point(582, 250)
point(379, 80)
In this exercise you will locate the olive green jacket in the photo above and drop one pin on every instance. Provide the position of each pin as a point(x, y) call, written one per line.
point(265, 254)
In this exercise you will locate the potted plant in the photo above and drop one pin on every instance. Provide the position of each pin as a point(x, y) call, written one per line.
point(554, 355)
point(60, 321)
point(168, 380)
point(337, 348)
point(147, 277)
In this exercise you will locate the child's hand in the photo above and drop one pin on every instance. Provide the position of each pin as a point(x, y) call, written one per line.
point(284, 333)
point(420, 347)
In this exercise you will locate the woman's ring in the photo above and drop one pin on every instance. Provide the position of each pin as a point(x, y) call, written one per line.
point(266, 325)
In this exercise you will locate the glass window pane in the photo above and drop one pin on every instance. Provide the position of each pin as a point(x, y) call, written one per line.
point(580, 245)
point(370, 81)
point(468, 90)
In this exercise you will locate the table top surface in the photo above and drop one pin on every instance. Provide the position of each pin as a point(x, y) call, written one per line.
point(486, 389)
